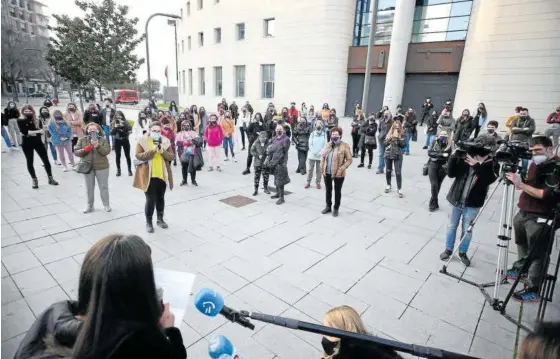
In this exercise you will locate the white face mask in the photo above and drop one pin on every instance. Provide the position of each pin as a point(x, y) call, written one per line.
point(538, 159)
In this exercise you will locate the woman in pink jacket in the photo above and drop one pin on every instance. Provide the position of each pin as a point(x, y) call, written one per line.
point(214, 135)
point(74, 117)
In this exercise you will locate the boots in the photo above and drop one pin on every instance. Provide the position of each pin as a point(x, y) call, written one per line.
point(266, 190)
point(52, 182)
point(256, 191)
point(247, 171)
point(277, 195)
point(193, 179)
point(118, 172)
point(35, 183)
point(281, 195)
point(160, 222)
point(149, 225)
point(129, 172)
point(184, 182)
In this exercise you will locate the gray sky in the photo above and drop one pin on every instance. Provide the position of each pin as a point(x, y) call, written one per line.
point(162, 37)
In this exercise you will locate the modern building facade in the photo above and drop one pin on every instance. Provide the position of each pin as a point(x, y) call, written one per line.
point(501, 52)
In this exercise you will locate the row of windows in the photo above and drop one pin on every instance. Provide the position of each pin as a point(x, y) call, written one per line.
point(434, 20)
point(23, 4)
point(267, 81)
point(199, 6)
point(268, 31)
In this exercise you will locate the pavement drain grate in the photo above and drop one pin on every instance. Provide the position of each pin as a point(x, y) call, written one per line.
point(238, 201)
point(273, 189)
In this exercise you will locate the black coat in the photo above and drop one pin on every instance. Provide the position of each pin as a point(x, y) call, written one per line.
point(146, 344)
point(11, 113)
point(463, 129)
point(120, 132)
point(258, 151)
point(431, 125)
point(253, 131)
point(439, 152)
point(486, 173)
point(234, 111)
point(89, 117)
point(367, 130)
point(58, 326)
point(301, 136)
point(277, 160)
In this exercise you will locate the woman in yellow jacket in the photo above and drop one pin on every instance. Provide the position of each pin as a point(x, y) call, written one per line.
point(228, 127)
point(325, 112)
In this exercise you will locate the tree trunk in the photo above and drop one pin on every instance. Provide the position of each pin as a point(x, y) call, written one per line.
point(100, 94)
point(70, 94)
point(55, 91)
point(15, 94)
point(81, 98)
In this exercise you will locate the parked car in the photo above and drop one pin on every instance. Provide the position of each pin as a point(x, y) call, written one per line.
point(38, 94)
point(126, 96)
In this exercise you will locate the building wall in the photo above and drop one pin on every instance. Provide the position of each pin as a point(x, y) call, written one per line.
point(512, 57)
point(309, 50)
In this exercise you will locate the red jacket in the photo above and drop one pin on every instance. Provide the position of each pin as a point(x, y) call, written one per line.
point(553, 118)
point(293, 115)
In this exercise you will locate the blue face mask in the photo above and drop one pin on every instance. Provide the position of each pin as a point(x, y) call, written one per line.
point(443, 138)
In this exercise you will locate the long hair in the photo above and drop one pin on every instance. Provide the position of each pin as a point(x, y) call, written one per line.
point(123, 298)
point(398, 127)
point(57, 124)
point(119, 112)
point(483, 111)
point(29, 107)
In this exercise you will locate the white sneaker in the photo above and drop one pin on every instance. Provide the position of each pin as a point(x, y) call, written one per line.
point(57, 163)
point(88, 210)
point(15, 148)
point(108, 209)
point(399, 192)
point(65, 169)
point(227, 159)
point(387, 189)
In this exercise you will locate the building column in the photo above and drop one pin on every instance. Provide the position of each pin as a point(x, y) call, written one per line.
point(398, 50)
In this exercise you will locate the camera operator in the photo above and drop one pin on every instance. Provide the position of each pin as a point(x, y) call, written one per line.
point(474, 170)
point(120, 130)
point(437, 166)
point(532, 223)
point(522, 129)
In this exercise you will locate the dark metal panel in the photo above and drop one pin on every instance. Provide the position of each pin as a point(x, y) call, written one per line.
point(355, 88)
point(440, 87)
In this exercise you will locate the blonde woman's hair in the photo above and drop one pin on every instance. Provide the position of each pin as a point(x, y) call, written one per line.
point(344, 318)
point(53, 119)
point(400, 129)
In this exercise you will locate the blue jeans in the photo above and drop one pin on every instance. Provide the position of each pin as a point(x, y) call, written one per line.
point(381, 148)
point(107, 131)
point(407, 138)
point(53, 151)
point(228, 142)
point(429, 140)
point(6, 137)
point(465, 215)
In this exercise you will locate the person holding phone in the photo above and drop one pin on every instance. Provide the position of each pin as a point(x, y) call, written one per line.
point(61, 137)
point(120, 130)
point(95, 148)
point(394, 145)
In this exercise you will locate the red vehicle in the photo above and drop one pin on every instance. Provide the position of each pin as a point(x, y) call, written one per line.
point(126, 96)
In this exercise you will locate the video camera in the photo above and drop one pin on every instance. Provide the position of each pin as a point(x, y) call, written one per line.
point(512, 152)
point(471, 148)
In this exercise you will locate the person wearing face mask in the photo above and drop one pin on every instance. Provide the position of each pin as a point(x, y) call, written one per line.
point(168, 132)
point(464, 127)
point(480, 119)
point(431, 129)
point(223, 105)
point(356, 125)
point(74, 117)
point(325, 112)
point(409, 127)
point(214, 137)
point(293, 115)
point(140, 127)
point(554, 131)
point(394, 145)
point(45, 118)
point(269, 121)
point(173, 109)
point(446, 122)
point(427, 107)
point(228, 128)
point(367, 140)
point(358, 111)
point(301, 140)
point(532, 224)
point(94, 149)
point(335, 159)
point(249, 108)
point(283, 120)
point(234, 109)
point(12, 114)
point(92, 115)
point(148, 112)
point(120, 130)
point(512, 118)
point(439, 153)
point(154, 175)
point(491, 131)
point(32, 132)
point(187, 142)
point(159, 116)
point(107, 115)
point(254, 129)
point(472, 176)
point(242, 123)
point(382, 112)
point(317, 142)
point(277, 162)
point(332, 122)
point(258, 151)
point(61, 134)
point(385, 123)
point(203, 124)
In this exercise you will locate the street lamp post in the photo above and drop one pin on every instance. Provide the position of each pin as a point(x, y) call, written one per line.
point(148, 47)
point(25, 75)
point(174, 24)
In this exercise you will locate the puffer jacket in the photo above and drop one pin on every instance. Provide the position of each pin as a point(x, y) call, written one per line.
point(301, 136)
point(53, 334)
point(464, 127)
point(100, 160)
point(11, 112)
point(394, 147)
point(258, 151)
point(277, 160)
point(368, 129)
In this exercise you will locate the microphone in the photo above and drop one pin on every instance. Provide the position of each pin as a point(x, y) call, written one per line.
point(219, 347)
point(211, 303)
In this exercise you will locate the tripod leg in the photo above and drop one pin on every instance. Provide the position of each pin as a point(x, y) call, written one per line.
point(548, 283)
point(506, 213)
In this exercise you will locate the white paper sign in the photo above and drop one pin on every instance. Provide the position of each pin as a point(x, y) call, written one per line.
point(177, 288)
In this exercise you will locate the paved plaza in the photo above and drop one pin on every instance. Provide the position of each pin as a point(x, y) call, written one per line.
point(380, 256)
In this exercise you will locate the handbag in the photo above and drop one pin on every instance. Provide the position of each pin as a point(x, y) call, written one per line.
point(189, 150)
point(370, 141)
point(85, 166)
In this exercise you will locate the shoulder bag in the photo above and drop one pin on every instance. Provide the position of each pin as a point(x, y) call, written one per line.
point(85, 166)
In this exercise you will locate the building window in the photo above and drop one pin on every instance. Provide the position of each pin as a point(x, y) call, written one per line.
point(240, 31)
point(441, 20)
point(183, 82)
point(218, 81)
point(13, 12)
point(200, 39)
point(200, 4)
point(182, 46)
point(201, 81)
point(189, 43)
point(267, 76)
point(239, 81)
point(384, 22)
point(181, 13)
point(188, 8)
point(190, 82)
point(217, 35)
point(269, 27)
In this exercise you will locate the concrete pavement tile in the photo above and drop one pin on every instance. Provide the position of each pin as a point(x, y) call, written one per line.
point(40, 301)
point(172, 263)
point(64, 269)
point(228, 279)
point(399, 245)
point(4, 271)
point(322, 244)
point(256, 247)
point(65, 235)
point(14, 248)
point(405, 269)
point(190, 336)
point(35, 243)
point(296, 256)
point(394, 328)
point(261, 300)
point(335, 298)
point(10, 346)
point(484, 349)
point(51, 252)
point(20, 262)
point(159, 254)
point(391, 212)
point(8, 241)
point(33, 281)
point(16, 319)
point(449, 337)
point(71, 288)
point(199, 349)
point(382, 304)
point(35, 234)
point(296, 278)
point(495, 334)
point(8, 231)
point(244, 344)
point(28, 226)
point(10, 291)
point(280, 288)
point(285, 344)
point(311, 338)
point(247, 270)
point(312, 307)
point(204, 256)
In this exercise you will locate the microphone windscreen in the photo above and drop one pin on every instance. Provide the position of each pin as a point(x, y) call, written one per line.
point(209, 302)
point(220, 346)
